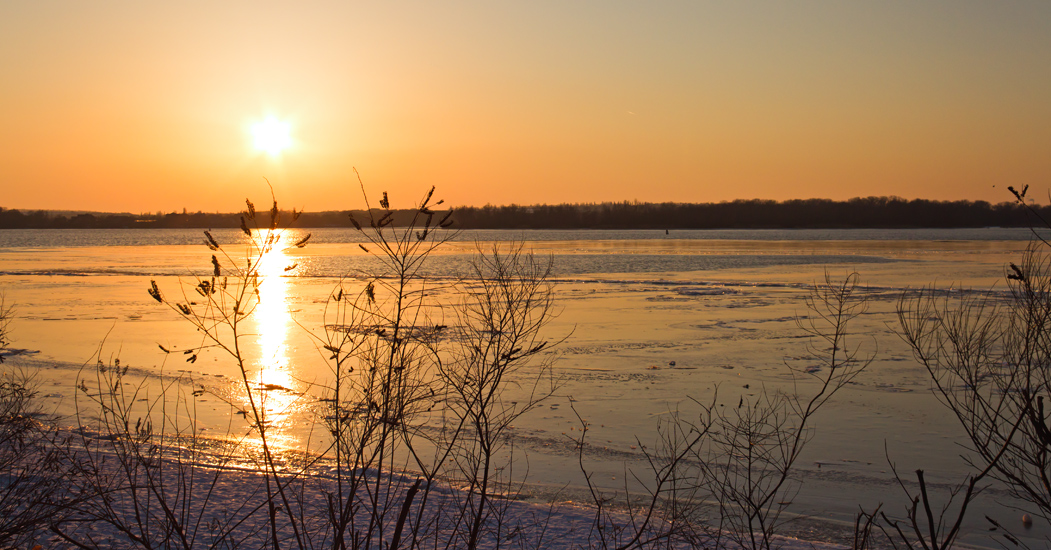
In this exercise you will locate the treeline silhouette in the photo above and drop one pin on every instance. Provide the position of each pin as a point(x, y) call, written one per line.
point(868, 212)
point(42, 219)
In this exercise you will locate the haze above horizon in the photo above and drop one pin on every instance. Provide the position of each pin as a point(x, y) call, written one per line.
point(139, 106)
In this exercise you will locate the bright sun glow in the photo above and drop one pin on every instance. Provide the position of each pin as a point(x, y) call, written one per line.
point(271, 135)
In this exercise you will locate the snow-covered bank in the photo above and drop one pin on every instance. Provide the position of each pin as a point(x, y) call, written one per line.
point(172, 502)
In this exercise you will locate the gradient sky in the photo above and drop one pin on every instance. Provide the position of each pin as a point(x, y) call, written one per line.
point(146, 106)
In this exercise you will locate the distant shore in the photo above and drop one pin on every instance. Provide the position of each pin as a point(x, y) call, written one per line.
point(857, 213)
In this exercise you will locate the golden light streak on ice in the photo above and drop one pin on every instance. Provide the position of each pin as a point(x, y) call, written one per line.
point(278, 391)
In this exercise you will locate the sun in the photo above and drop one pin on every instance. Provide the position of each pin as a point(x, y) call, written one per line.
point(271, 135)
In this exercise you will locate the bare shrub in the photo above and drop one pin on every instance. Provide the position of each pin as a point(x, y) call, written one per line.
point(33, 464)
point(144, 476)
point(419, 385)
point(380, 339)
point(507, 304)
point(989, 359)
point(726, 477)
point(32, 461)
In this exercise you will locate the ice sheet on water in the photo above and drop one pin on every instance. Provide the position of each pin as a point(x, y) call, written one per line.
point(574, 264)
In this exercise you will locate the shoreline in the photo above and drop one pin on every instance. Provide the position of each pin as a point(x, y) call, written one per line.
point(561, 517)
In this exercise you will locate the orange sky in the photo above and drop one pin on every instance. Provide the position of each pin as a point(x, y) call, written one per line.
point(146, 106)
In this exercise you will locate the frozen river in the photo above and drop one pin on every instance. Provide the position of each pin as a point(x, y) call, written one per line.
point(647, 321)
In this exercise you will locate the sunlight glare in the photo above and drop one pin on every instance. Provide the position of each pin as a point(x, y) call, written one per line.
point(277, 385)
point(272, 135)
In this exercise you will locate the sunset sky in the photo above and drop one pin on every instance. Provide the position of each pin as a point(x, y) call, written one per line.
point(150, 106)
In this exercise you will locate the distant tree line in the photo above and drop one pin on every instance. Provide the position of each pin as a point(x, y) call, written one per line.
point(42, 219)
point(868, 212)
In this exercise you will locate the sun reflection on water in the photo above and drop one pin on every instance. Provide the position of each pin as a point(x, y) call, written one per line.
point(278, 391)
